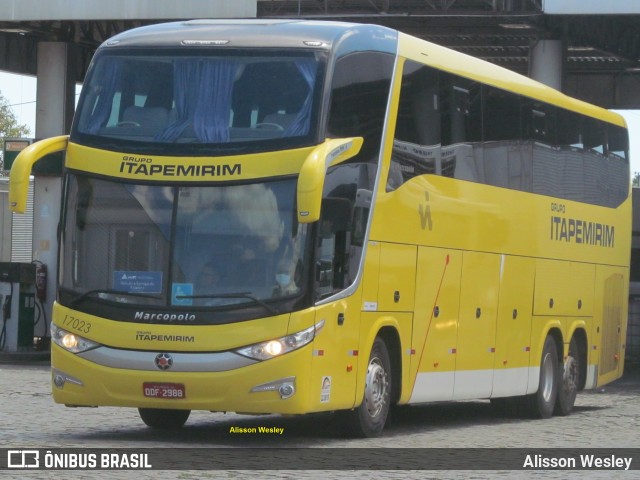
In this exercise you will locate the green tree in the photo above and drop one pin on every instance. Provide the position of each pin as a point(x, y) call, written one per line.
point(9, 126)
point(636, 179)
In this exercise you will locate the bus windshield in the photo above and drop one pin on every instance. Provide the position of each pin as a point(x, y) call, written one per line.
point(203, 101)
point(176, 248)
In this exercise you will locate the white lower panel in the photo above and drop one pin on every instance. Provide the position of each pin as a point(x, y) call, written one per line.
point(509, 382)
point(468, 384)
point(433, 387)
point(472, 384)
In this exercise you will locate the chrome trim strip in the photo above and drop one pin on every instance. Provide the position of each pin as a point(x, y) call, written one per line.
point(182, 362)
point(272, 386)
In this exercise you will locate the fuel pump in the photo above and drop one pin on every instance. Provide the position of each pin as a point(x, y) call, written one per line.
point(18, 296)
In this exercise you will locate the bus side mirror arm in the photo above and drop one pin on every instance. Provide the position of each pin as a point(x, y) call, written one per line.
point(314, 170)
point(21, 169)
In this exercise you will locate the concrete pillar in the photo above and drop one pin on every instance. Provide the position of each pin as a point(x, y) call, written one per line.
point(55, 103)
point(546, 63)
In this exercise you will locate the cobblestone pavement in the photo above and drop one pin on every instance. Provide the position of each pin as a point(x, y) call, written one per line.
point(605, 418)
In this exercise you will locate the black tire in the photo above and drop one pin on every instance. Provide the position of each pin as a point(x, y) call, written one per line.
point(542, 403)
point(369, 418)
point(568, 384)
point(164, 419)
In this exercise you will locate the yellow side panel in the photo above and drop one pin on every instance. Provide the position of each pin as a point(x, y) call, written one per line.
point(435, 322)
point(513, 330)
point(397, 277)
point(334, 371)
point(610, 320)
point(564, 288)
point(479, 290)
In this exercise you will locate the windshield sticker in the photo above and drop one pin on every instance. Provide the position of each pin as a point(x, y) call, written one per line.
point(137, 282)
point(181, 290)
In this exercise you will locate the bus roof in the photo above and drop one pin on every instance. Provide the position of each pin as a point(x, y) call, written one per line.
point(292, 33)
point(250, 33)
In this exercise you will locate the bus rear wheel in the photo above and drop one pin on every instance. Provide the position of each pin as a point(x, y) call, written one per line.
point(542, 403)
point(568, 388)
point(369, 418)
point(164, 419)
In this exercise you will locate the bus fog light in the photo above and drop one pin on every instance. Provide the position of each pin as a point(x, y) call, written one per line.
point(58, 381)
point(286, 387)
point(286, 390)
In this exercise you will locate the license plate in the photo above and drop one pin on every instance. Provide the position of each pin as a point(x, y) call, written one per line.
point(169, 391)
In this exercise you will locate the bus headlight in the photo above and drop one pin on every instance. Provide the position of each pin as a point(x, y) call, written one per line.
point(70, 341)
point(279, 346)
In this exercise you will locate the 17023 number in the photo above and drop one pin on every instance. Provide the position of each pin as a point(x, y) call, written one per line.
point(75, 323)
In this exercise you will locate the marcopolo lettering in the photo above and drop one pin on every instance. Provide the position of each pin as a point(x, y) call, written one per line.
point(169, 317)
point(573, 230)
point(144, 167)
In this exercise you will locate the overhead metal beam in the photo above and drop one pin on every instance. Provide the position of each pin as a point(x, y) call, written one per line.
point(82, 10)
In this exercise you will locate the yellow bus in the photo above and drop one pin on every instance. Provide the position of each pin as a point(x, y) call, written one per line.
point(299, 216)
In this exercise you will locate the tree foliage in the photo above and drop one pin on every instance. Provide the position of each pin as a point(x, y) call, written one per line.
point(9, 126)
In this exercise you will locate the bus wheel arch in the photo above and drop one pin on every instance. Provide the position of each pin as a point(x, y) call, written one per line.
point(394, 347)
point(381, 387)
point(580, 337)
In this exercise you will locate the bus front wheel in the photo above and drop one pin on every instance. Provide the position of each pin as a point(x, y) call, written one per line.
point(164, 419)
point(369, 418)
point(542, 403)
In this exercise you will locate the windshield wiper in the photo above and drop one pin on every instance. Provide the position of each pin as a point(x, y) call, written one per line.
point(231, 295)
point(83, 296)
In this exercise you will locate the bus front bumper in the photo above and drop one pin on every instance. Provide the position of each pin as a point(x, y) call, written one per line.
point(277, 385)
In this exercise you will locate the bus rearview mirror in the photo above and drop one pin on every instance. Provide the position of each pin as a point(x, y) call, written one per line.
point(314, 170)
point(21, 169)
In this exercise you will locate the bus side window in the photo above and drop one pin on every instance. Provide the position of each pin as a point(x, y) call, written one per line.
point(461, 113)
point(416, 146)
point(507, 158)
point(359, 95)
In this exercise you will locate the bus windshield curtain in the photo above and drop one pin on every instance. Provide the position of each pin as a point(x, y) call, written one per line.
point(202, 92)
point(110, 80)
point(300, 126)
